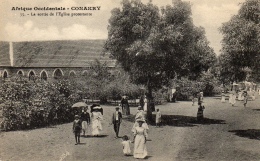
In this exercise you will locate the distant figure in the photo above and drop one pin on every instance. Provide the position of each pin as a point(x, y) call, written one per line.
point(141, 102)
point(125, 106)
point(200, 115)
point(233, 98)
point(116, 121)
point(199, 98)
point(193, 99)
point(145, 106)
point(139, 113)
point(245, 98)
point(77, 129)
point(158, 119)
point(230, 98)
point(239, 97)
point(126, 145)
point(223, 97)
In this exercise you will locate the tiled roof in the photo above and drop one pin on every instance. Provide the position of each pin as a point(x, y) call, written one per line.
point(4, 54)
point(60, 53)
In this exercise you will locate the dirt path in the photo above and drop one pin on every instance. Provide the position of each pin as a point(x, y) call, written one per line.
point(225, 136)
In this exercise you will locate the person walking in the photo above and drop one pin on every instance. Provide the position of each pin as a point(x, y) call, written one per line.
point(96, 121)
point(85, 118)
point(77, 129)
point(116, 121)
point(140, 138)
point(126, 145)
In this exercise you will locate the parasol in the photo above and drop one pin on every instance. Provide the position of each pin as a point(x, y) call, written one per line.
point(79, 104)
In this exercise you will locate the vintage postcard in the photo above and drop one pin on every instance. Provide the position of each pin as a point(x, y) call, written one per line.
point(119, 80)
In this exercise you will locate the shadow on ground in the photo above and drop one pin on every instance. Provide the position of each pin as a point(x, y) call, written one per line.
point(256, 109)
point(180, 120)
point(249, 133)
point(91, 136)
point(187, 121)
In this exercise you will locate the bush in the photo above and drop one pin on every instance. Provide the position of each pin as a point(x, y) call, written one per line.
point(36, 104)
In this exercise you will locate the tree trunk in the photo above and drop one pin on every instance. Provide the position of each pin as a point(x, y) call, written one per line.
point(149, 98)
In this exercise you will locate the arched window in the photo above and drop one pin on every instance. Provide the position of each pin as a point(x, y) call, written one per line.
point(85, 73)
point(72, 74)
point(20, 73)
point(57, 74)
point(31, 75)
point(5, 75)
point(44, 75)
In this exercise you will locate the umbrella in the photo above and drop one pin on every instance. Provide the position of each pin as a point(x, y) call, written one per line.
point(79, 104)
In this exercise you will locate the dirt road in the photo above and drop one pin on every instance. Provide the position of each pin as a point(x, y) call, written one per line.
point(228, 133)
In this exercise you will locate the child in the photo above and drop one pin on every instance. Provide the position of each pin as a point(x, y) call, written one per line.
point(126, 145)
point(158, 118)
point(77, 129)
point(200, 116)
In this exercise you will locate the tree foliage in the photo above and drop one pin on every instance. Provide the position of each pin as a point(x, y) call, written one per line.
point(155, 46)
point(240, 44)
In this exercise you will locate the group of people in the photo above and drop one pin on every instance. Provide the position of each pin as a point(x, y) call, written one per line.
point(82, 122)
point(242, 96)
point(139, 129)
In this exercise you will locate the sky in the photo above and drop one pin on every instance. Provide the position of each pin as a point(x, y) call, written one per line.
point(209, 14)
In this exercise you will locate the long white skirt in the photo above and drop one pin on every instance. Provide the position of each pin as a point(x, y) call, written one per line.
point(223, 99)
point(96, 127)
point(140, 150)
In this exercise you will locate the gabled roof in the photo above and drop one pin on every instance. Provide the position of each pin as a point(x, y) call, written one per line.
point(60, 53)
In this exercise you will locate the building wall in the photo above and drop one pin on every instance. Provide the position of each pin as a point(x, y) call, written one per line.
point(50, 72)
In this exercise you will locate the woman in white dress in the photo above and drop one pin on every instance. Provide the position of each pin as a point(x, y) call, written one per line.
point(233, 99)
point(240, 96)
point(140, 138)
point(223, 97)
point(96, 122)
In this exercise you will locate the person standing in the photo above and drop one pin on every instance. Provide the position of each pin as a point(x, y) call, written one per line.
point(85, 118)
point(245, 95)
point(233, 98)
point(145, 106)
point(200, 115)
point(158, 118)
point(125, 106)
point(141, 102)
point(76, 129)
point(116, 120)
point(223, 97)
point(140, 138)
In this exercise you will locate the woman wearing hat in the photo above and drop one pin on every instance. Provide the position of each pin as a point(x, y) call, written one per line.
point(96, 121)
point(140, 137)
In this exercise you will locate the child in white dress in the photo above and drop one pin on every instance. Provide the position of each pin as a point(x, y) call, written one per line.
point(126, 145)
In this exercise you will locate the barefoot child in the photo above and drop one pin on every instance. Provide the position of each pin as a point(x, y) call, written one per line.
point(77, 129)
point(126, 145)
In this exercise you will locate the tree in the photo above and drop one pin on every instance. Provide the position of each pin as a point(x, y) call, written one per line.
point(240, 44)
point(154, 47)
